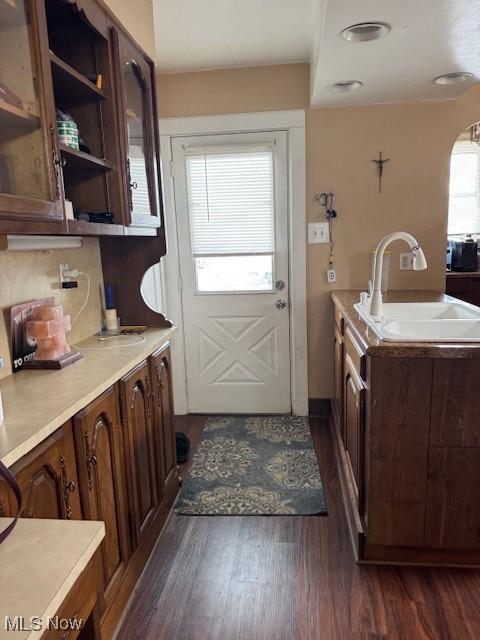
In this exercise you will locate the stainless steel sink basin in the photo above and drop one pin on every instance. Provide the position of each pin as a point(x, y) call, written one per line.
point(425, 322)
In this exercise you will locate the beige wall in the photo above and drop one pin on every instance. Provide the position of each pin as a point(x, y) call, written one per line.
point(284, 86)
point(417, 137)
point(137, 18)
point(27, 275)
point(341, 142)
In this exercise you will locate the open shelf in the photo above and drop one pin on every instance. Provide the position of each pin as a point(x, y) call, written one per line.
point(81, 161)
point(84, 228)
point(70, 85)
point(12, 117)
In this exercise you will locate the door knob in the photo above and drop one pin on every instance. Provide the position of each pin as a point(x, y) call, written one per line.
point(280, 304)
point(279, 284)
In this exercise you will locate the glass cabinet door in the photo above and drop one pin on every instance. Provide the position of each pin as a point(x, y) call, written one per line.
point(141, 145)
point(29, 181)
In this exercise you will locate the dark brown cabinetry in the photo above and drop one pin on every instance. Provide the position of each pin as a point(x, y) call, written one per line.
point(47, 477)
point(123, 446)
point(140, 154)
point(465, 286)
point(30, 188)
point(353, 393)
point(101, 464)
point(338, 378)
point(163, 416)
point(74, 57)
point(141, 448)
point(408, 451)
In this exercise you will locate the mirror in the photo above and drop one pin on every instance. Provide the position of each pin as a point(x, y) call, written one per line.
point(152, 288)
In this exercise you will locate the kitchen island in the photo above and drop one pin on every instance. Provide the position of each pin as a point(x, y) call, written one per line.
point(407, 434)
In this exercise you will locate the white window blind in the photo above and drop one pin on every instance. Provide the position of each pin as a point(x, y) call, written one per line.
point(464, 203)
point(231, 202)
point(138, 176)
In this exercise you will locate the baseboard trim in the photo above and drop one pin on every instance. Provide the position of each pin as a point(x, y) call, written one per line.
point(319, 407)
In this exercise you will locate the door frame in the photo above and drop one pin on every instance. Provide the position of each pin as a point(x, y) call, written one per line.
point(293, 122)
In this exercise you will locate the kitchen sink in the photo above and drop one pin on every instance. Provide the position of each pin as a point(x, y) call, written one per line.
point(424, 322)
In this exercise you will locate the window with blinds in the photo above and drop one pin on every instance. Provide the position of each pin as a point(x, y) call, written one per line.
point(232, 218)
point(464, 202)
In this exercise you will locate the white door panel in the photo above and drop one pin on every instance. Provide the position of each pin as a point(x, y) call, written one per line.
point(236, 342)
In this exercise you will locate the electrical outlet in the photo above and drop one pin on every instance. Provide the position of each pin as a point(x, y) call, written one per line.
point(318, 233)
point(61, 268)
point(331, 276)
point(406, 261)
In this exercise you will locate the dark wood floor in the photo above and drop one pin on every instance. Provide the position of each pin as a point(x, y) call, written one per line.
point(291, 578)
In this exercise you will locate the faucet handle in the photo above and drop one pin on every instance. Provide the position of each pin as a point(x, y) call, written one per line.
point(364, 298)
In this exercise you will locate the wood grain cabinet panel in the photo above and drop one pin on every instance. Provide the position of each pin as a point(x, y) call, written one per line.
point(453, 498)
point(47, 477)
point(398, 435)
point(338, 379)
point(455, 403)
point(141, 449)
point(354, 403)
point(101, 465)
point(163, 416)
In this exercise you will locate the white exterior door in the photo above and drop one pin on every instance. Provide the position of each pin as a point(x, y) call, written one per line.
point(231, 204)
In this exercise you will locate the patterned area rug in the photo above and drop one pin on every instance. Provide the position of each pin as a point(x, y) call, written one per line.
point(261, 465)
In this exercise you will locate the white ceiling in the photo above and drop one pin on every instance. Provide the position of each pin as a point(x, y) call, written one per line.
point(428, 38)
point(216, 34)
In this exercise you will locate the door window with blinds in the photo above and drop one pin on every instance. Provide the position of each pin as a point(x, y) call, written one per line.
point(464, 202)
point(231, 205)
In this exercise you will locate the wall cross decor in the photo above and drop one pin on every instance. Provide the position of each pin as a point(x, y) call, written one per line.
point(380, 161)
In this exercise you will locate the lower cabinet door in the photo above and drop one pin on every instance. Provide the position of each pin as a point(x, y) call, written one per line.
point(353, 421)
point(101, 468)
point(163, 415)
point(47, 477)
point(453, 504)
point(137, 418)
point(338, 381)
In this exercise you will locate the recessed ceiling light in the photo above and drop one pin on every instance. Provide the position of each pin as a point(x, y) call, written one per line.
point(365, 31)
point(454, 78)
point(345, 86)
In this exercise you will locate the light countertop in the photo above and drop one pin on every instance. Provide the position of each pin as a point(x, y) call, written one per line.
point(40, 562)
point(36, 402)
point(373, 345)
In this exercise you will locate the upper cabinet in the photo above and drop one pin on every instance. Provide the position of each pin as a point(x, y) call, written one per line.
point(78, 134)
point(30, 184)
point(139, 142)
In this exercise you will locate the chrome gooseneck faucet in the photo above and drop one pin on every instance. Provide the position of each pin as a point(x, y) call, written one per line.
point(419, 264)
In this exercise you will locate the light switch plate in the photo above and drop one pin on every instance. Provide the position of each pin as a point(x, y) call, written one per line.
point(318, 233)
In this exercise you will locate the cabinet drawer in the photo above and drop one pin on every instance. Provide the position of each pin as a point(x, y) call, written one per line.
point(78, 605)
point(356, 354)
point(339, 322)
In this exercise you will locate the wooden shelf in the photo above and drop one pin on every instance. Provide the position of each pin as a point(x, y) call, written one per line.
point(70, 85)
point(81, 161)
point(12, 117)
point(84, 228)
